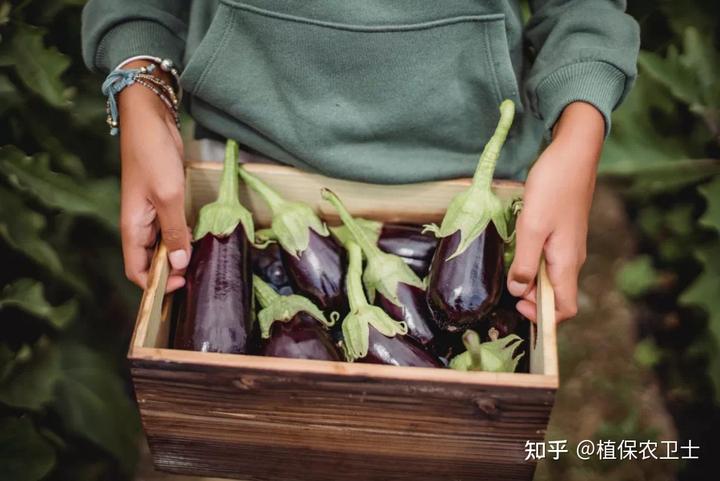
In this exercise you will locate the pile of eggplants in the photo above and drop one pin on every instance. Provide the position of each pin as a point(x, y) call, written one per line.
point(361, 291)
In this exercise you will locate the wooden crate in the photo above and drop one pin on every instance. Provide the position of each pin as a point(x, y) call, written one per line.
point(270, 419)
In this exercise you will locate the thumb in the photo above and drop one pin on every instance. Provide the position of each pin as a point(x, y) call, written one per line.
point(530, 242)
point(173, 229)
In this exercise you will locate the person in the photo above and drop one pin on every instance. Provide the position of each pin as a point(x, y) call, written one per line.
point(378, 91)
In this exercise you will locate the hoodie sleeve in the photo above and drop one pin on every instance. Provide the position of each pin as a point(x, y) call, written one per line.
point(585, 50)
point(113, 31)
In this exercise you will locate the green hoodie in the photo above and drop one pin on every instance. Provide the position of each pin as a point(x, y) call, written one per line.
point(387, 91)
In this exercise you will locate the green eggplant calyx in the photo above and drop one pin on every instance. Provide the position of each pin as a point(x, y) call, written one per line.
point(384, 271)
point(277, 308)
point(291, 221)
point(362, 315)
point(496, 355)
point(220, 218)
point(372, 230)
point(264, 237)
point(472, 210)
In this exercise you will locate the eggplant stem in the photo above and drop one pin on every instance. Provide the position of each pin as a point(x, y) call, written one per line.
point(221, 217)
point(265, 294)
point(272, 198)
point(482, 179)
point(359, 235)
point(355, 293)
point(471, 340)
point(228, 192)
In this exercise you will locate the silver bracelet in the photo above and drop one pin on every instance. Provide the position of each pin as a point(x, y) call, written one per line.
point(165, 64)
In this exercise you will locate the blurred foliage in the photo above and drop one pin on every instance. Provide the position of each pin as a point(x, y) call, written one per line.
point(664, 154)
point(65, 409)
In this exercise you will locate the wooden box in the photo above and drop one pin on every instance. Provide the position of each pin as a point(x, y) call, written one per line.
point(271, 419)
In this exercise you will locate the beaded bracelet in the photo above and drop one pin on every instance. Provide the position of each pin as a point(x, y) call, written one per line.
point(118, 79)
point(170, 104)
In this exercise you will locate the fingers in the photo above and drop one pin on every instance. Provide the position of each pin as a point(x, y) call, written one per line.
point(138, 234)
point(170, 207)
point(527, 309)
point(564, 277)
point(531, 237)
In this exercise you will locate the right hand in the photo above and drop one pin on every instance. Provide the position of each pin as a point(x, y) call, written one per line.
point(152, 186)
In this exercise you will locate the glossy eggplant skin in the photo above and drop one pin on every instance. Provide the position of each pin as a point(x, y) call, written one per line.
point(408, 242)
point(218, 301)
point(462, 290)
point(413, 311)
point(318, 272)
point(302, 337)
point(268, 265)
point(397, 351)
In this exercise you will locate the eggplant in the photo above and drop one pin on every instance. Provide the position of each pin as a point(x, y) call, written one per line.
point(463, 289)
point(496, 355)
point(466, 273)
point(407, 241)
point(400, 292)
point(369, 334)
point(267, 264)
point(313, 259)
point(217, 311)
point(292, 326)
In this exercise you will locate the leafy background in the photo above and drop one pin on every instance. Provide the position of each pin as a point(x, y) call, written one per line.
point(642, 361)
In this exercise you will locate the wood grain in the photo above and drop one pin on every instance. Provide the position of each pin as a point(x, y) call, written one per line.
point(261, 424)
point(413, 203)
point(272, 419)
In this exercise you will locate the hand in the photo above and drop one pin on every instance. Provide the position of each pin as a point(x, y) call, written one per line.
point(152, 185)
point(556, 207)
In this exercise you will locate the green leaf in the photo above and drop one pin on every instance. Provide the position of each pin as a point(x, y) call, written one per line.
point(28, 295)
point(24, 454)
point(711, 193)
point(22, 228)
point(639, 155)
point(31, 381)
point(93, 404)
point(637, 277)
point(97, 198)
point(691, 76)
point(9, 97)
point(39, 67)
point(703, 293)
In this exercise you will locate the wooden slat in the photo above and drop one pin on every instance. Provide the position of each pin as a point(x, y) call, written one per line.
point(282, 426)
point(149, 328)
point(412, 203)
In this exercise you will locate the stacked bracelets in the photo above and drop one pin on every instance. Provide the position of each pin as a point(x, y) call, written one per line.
point(121, 78)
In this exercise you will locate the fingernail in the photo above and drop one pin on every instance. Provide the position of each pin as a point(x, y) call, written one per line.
point(178, 259)
point(517, 288)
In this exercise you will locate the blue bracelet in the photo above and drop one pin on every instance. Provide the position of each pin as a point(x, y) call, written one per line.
point(117, 80)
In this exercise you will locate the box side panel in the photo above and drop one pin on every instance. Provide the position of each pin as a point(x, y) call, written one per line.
point(270, 426)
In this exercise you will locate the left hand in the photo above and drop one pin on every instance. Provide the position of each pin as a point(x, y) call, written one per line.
point(556, 207)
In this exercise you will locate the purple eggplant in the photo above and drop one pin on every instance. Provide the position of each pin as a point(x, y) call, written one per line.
point(496, 355)
point(400, 292)
point(217, 316)
point(407, 241)
point(292, 326)
point(369, 334)
point(466, 273)
point(313, 259)
point(459, 294)
point(267, 264)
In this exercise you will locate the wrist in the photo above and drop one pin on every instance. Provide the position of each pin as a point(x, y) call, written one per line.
point(581, 123)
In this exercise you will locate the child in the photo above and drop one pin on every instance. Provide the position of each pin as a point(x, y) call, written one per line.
point(372, 90)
